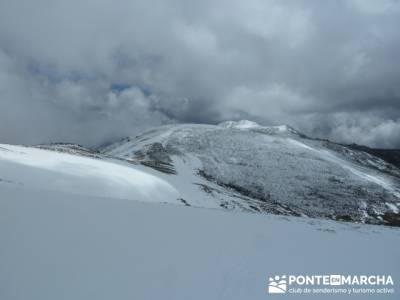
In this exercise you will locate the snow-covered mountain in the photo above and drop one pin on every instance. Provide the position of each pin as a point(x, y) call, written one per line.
point(238, 166)
point(69, 229)
point(244, 166)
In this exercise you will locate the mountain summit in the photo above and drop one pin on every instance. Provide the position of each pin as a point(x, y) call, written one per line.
point(248, 167)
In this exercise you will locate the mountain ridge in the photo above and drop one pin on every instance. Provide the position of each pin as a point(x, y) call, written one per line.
point(235, 165)
point(280, 169)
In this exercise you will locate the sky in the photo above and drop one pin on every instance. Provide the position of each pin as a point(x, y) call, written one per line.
point(93, 71)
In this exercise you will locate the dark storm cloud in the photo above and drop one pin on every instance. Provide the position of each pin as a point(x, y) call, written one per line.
point(91, 71)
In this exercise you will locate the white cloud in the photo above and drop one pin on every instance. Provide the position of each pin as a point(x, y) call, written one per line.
point(274, 61)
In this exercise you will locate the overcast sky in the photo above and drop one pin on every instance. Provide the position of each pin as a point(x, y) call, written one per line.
point(97, 70)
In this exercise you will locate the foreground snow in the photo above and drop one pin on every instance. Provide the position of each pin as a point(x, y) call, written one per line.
point(60, 246)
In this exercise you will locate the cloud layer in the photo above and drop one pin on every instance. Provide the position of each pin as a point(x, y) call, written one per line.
point(93, 71)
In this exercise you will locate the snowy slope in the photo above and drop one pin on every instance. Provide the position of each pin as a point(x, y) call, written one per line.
point(70, 230)
point(32, 168)
point(248, 167)
point(62, 246)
